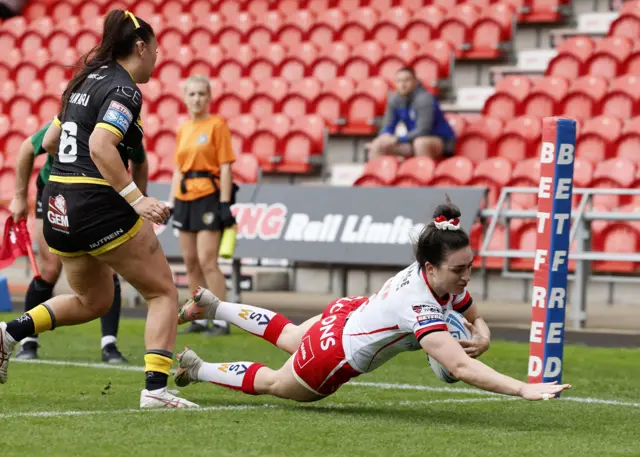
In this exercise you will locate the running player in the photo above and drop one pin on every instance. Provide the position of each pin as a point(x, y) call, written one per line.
point(97, 218)
point(41, 288)
point(356, 335)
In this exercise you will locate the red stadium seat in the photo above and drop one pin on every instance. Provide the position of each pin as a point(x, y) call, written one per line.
point(7, 184)
point(245, 169)
point(200, 38)
point(262, 33)
point(424, 24)
point(543, 10)
point(457, 122)
point(266, 141)
point(10, 144)
point(358, 27)
point(295, 28)
point(85, 40)
point(622, 98)
point(168, 108)
point(510, 91)
point(301, 94)
point(525, 174)
point(628, 143)
point(47, 108)
point(616, 237)
point(234, 101)
point(478, 140)
point(415, 172)
point(454, 171)
point(493, 173)
point(489, 31)
point(326, 27)
point(242, 127)
point(297, 65)
point(597, 138)
point(330, 104)
point(544, 97)
point(211, 55)
point(583, 100)
point(572, 55)
point(333, 56)
point(613, 173)
point(608, 57)
point(367, 103)
point(392, 21)
point(377, 172)
point(520, 139)
point(266, 64)
point(233, 66)
point(268, 97)
point(625, 26)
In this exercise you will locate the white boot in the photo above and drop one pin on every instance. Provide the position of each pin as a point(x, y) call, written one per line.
point(7, 343)
point(163, 398)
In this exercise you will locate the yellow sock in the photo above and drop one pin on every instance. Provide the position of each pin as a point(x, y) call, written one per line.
point(157, 363)
point(42, 318)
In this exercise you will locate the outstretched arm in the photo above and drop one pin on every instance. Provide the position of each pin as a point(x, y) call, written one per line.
point(446, 350)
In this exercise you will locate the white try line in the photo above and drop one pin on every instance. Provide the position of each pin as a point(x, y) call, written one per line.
point(374, 385)
point(58, 414)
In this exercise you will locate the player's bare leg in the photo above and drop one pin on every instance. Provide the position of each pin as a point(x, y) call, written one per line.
point(248, 377)
point(268, 325)
point(132, 260)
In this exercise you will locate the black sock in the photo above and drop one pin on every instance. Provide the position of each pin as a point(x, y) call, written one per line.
point(111, 321)
point(21, 327)
point(39, 291)
point(155, 380)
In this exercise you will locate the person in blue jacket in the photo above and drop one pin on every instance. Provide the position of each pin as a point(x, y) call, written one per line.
point(413, 123)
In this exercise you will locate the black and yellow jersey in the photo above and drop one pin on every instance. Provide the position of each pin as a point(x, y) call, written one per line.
point(108, 99)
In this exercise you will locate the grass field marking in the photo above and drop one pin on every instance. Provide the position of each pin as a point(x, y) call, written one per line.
point(375, 385)
point(132, 411)
point(58, 414)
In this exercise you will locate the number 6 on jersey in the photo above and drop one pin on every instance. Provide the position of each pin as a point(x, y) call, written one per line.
point(68, 150)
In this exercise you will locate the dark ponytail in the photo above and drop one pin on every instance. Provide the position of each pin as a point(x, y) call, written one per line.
point(119, 36)
point(434, 243)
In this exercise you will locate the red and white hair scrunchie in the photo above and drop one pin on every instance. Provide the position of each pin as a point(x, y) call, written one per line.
point(442, 223)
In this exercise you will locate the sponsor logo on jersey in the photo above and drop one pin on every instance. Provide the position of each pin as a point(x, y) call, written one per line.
point(57, 214)
point(96, 76)
point(119, 116)
point(426, 308)
point(202, 139)
point(429, 319)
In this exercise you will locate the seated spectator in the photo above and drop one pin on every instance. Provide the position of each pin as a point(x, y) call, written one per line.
point(413, 123)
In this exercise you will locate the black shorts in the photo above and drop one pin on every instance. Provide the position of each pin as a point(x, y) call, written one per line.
point(40, 188)
point(197, 215)
point(86, 219)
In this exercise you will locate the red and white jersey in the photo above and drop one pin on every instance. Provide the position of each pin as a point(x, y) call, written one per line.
point(396, 318)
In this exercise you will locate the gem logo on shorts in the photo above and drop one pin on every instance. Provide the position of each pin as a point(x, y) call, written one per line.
point(57, 214)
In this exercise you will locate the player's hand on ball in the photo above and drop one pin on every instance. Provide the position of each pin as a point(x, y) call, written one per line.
point(543, 391)
point(153, 210)
point(477, 345)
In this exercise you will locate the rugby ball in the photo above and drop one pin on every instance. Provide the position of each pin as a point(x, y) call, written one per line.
point(455, 323)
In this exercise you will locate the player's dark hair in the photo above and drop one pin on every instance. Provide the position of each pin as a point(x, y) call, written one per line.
point(119, 36)
point(433, 244)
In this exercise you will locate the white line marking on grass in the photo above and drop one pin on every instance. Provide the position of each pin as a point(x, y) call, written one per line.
point(58, 414)
point(598, 401)
point(375, 385)
point(132, 411)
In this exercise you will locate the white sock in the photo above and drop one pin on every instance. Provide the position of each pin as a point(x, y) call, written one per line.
point(219, 323)
point(106, 340)
point(202, 322)
point(30, 339)
point(234, 375)
point(258, 321)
